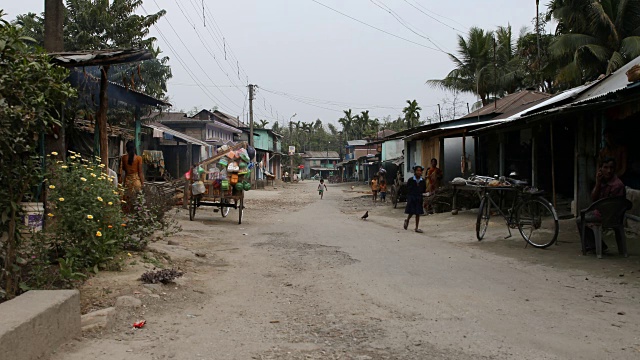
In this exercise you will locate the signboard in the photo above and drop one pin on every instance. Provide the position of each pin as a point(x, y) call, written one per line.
point(301, 167)
point(292, 150)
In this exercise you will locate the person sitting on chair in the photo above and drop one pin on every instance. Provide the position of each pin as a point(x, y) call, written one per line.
point(607, 185)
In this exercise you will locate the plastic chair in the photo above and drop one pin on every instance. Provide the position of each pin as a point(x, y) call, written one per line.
point(612, 211)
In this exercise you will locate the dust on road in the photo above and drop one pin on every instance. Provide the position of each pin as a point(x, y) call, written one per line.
point(310, 280)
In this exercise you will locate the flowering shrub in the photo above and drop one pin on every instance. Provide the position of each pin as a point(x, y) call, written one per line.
point(87, 224)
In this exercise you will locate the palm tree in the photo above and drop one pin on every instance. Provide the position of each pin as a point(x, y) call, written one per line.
point(262, 124)
point(347, 122)
point(474, 55)
point(594, 37)
point(412, 114)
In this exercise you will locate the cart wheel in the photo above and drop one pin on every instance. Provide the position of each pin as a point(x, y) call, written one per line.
point(240, 209)
point(224, 210)
point(192, 208)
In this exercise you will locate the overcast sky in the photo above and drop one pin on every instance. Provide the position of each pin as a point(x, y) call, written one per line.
point(309, 60)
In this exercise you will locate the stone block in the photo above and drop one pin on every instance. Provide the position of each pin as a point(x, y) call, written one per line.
point(36, 323)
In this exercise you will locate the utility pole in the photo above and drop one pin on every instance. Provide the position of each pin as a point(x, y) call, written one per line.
point(538, 32)
point(439, 113)
point(251, 88)
point(53, 25)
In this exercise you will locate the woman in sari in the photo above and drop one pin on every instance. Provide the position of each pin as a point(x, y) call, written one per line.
point(131, 174)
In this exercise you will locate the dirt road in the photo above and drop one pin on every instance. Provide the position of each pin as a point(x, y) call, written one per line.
point(310, 280)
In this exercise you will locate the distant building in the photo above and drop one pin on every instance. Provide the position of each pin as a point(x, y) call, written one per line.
point(320, 162)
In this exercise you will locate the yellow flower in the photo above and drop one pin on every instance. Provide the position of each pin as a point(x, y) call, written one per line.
point(59, 162)
point(50, 214)
point(110, 203)
point(52, 187)
point(98, 233)
point(89, 217)
point(101, 165)
point(54, 153)
point(94, 175)
point(124, 202)
point(83, 179)
point(99, 198)
point(64, 166)
point(73, 152)
point(61, 199)
point(129, 254)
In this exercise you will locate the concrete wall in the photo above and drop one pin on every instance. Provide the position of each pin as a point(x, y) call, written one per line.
point(392, 149)
point(36, 323)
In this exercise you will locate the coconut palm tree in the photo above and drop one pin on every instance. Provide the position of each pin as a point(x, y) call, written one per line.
point(347, 122)
point(262, 124)
point(412, 114)
point(474, 55)
point(594, 37)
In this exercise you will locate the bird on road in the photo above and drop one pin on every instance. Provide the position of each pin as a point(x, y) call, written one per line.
point(365, 216)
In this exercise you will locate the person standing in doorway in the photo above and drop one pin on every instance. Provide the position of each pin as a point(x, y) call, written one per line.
point(131, 174)
point(383, 190)
point(416, 187)
point(375, 188)
point(434, 178)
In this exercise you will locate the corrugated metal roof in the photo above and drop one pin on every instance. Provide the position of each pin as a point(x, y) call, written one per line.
point(453, 127)
point(179, 135)
point(612, 83)
point(356, 142)
point(99, 57)
point(508, 103)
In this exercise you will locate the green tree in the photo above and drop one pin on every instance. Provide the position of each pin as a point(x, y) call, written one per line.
point(412, 114)
point(594, 37)
point(31, 91)
point(262, 124)
point(98, 25)
point(474, 55)
point(347, 122)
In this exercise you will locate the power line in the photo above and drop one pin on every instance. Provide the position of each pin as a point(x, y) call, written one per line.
point(330, 102)
point(374, 27)
point(442, 16)
point(404, 23)
point(190, 72)
point(194, 58)
point(208, 50)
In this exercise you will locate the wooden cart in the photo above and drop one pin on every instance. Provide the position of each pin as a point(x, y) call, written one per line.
point(221, 200)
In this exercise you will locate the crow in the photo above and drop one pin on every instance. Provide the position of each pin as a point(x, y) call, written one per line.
point(365, 216)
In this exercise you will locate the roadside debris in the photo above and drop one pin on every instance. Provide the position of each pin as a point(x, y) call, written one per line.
point(164, 276)
point(139, 324)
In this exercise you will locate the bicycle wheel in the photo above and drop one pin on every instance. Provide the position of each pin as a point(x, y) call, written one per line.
point(484, 214)
point(537, 222)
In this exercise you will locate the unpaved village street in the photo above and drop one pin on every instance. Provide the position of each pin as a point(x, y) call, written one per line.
point(304, 278)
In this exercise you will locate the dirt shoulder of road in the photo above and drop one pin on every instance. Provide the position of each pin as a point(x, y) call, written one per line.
point(460, 230)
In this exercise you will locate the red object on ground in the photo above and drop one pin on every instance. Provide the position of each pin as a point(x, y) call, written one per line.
point(139, 324)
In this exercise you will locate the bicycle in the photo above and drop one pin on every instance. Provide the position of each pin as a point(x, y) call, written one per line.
point(534, 216)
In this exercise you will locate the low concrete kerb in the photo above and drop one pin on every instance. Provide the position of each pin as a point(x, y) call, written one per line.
point(36, 323)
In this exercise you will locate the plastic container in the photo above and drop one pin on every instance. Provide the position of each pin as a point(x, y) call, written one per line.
point(33, 215)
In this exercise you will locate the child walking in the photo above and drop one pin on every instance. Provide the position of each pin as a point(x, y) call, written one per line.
point(416, 186)
point(322, 187)
point(383, 190)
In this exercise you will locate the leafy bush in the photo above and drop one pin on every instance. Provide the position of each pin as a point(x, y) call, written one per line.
point(87, 224)
point(31, 91)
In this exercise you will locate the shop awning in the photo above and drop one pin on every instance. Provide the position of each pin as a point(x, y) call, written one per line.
point(453, 128)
